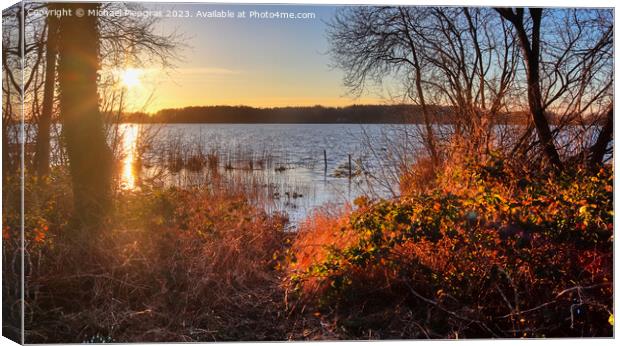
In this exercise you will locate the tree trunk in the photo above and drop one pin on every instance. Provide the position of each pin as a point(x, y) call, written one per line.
point(531, 55)
point(83, 130)
point(6, 167)
point(597, 151)
point(42, 153)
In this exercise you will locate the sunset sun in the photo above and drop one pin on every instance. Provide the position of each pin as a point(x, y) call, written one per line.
point(130, 77)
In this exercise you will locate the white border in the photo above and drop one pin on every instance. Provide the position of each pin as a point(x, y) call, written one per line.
point(532, 3)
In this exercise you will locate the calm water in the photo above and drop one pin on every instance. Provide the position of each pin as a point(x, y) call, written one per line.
point(293, 168)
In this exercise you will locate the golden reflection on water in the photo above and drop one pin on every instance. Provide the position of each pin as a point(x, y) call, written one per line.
point(130, 142)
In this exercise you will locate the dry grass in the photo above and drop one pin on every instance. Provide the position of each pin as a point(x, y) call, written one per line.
point(175, 265)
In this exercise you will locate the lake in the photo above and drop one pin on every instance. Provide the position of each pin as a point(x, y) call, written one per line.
point(291, 168)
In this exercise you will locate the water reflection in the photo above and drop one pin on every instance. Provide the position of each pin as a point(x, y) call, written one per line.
point(130, 141)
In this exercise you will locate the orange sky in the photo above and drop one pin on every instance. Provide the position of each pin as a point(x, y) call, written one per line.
point(260, 63)
point(156, 90)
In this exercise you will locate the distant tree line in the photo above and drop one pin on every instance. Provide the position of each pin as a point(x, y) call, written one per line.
point(355, 114)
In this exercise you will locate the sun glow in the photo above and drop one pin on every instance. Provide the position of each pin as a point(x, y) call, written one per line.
point(130, 77)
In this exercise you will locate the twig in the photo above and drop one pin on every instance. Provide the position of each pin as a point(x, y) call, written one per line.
point(577, 288)
point(451, 313)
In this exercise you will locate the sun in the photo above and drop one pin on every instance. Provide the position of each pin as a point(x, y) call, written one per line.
point(130, 77)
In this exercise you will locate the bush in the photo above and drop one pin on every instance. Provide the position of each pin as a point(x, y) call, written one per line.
point(485, 253)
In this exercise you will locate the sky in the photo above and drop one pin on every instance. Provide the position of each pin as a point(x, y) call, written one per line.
point(236, 61)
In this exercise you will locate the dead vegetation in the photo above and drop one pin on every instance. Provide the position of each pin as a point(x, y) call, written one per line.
point(172, 265)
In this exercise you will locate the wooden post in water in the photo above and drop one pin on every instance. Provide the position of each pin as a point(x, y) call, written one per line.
point(349, 166)
point(325, 159)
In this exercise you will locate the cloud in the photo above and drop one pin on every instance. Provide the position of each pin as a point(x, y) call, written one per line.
point(212, 71)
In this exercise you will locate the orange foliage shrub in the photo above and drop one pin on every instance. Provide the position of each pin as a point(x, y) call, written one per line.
point(315, 236)
point(486, 253)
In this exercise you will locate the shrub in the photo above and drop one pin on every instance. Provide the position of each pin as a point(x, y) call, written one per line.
point(485, 253)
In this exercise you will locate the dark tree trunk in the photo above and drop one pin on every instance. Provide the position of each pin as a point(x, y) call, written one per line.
point(597, 151)
point(6, 167)
point(42, 153)
point(11, 152)
point(83, 130)
point(531, 55)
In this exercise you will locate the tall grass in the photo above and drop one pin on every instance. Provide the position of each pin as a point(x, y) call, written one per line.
point(171, 265)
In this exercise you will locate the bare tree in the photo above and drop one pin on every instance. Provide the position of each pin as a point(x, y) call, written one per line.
point(42, 154)
point(530, 46)
point(463, 66)
point(136, 40)
point(22, 57)
point(568, 55)
point(457, 64)
point(89, 155)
